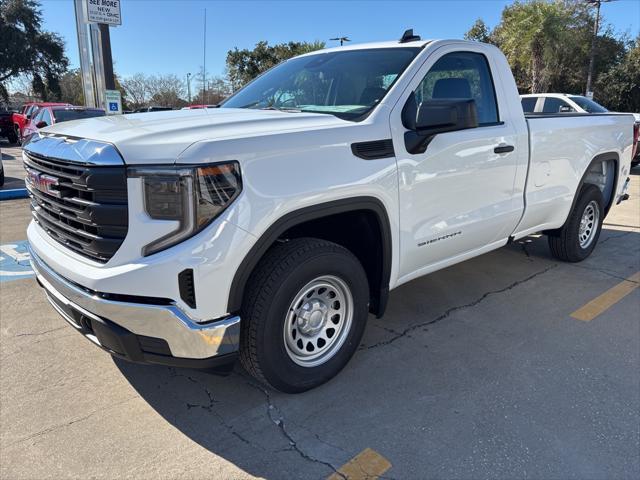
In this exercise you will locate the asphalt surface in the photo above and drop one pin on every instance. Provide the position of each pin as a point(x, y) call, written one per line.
point(12, 163)
point(477, 371)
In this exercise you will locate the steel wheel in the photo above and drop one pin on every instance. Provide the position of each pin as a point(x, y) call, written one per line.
point(589, 224)
point(318, 321)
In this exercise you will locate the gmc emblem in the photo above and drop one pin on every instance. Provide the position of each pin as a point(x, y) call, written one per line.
point(43, 183)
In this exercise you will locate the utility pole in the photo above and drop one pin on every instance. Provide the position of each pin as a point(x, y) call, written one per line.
point(340, 39)
point(588, 91)
point(204, 61)
point(189, 87)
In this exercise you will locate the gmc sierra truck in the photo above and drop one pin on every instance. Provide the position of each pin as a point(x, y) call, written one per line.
point(270, 227)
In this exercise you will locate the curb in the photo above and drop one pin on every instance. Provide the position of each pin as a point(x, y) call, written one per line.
point(13, 194)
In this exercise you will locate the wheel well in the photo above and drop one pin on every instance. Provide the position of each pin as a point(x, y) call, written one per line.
point(602, 173)
point(360, 224)
point(359, 232)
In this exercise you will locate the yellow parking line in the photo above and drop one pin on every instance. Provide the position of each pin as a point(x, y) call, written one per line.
point(609, 298)
point(368, 464)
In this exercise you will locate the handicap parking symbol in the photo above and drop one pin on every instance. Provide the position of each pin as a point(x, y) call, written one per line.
point(14, 261)
point(113, 106)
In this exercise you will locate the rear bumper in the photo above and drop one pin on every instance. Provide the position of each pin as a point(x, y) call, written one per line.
point(140, 332)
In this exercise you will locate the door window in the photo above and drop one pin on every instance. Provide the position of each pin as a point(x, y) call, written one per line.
point(46, 117)
point(556, 105)
point(529, 104)
point(462, 75)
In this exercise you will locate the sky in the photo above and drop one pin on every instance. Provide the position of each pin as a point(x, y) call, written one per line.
point(166, 36)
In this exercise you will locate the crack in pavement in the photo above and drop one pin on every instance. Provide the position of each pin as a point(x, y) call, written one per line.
point(451, 310)
point(210, 406)
point(41, 333)
point(603, 271)
point(69, 423)
point(272, 410)
point(610, 237)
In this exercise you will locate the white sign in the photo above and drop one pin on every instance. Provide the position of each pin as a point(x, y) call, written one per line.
point(589, 95)
point(104, 11)
point(113, 102)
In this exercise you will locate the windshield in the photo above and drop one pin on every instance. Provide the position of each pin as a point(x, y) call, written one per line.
point(347, 83)
point(588, 105)
point(66, 115)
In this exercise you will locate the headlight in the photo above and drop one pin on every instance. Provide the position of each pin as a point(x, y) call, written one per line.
point(192, 196)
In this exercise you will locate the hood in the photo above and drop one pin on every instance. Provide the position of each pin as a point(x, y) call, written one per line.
point(160, 137)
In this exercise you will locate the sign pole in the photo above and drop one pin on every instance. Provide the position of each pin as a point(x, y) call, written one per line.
point(107, 61)
point(85, 61)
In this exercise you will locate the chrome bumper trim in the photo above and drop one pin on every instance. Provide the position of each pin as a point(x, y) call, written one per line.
point(186, 338)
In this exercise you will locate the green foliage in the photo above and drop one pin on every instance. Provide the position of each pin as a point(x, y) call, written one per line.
point(26, 49)
point(244, 65)
point(619, 88)
point(548, 44)
point(479, 32)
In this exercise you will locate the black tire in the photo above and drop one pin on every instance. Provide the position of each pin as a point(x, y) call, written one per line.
point(279, 277)
point(1, 177)
point(13, 138)
point(565, 243)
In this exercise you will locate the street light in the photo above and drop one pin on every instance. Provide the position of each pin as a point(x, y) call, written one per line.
point(588, 92)
point(340, 39)
point(189, 87)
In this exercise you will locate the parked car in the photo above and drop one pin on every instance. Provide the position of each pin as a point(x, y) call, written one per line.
point(195, 107)
point(566, 103)
point(21, 119)
point(1, 170)
point(50, 115)
point(6, 126)
point(152, 109)
point(269, 228)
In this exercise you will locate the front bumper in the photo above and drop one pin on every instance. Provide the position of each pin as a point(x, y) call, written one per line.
point(140, 332)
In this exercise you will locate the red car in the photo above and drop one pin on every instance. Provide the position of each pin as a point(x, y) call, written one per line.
point(21, 119)
point(49, 115)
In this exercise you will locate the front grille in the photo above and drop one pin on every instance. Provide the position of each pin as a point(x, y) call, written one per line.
point(82, 206)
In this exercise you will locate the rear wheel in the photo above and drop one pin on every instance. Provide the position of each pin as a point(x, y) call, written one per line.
point(578, 237)
point(304, 314)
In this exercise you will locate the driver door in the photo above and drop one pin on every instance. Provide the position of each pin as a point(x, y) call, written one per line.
point(459, 196)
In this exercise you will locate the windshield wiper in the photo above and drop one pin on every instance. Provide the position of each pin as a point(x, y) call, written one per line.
point(282, 109)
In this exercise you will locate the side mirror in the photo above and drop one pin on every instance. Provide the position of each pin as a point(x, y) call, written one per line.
point(436, 116)
point(565, 109)
point(29, 117)
point(41, 124)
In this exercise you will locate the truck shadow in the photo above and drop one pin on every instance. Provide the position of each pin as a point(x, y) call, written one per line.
point(418, 385)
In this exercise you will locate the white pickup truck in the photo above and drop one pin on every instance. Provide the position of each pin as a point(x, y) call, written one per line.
point(269, 228)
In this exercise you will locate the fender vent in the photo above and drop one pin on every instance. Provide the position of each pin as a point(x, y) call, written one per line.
point(374, 149)
point(187, 287)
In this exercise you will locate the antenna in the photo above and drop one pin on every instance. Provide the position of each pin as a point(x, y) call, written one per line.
point(408, 36)
point(340, 39)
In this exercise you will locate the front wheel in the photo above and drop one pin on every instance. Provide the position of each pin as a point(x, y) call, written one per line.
point(578, 237)
point(304, 314)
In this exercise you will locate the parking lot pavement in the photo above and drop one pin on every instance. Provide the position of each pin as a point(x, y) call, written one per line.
point(476, 371)
point(12, 163)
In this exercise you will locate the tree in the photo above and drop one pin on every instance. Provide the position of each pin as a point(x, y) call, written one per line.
point(479, 32)
point(136, 88)
point(548, 43)
point(215, 90)
point(25, 48)
point(167, 91)
point(244, 65)
point(619, 88)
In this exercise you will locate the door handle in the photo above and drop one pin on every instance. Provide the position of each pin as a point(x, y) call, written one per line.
point(504, 149)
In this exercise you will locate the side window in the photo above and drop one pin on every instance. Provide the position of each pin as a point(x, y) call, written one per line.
point(555, 105)
point(46, 116)
point(529, 104)
point(38, 116)
point(461, 75)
